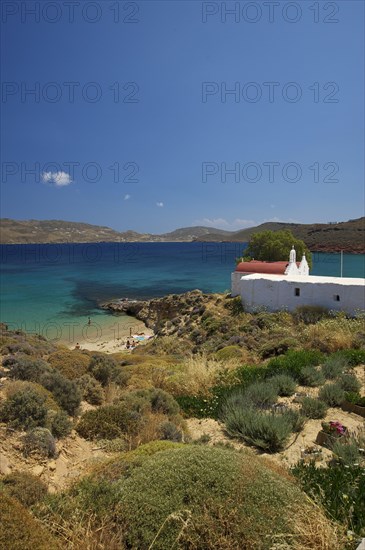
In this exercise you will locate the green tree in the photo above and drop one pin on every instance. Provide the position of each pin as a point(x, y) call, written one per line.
point(274, 246)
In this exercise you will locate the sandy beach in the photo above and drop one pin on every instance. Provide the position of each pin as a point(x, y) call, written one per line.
point(111, 337)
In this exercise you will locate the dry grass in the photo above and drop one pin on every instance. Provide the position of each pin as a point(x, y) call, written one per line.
point(330, 335)
point(198, 374)
point(313, 531)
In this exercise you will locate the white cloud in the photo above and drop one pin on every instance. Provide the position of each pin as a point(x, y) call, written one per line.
point(221, 223)
point(159, 204)
point(59, 179)
point(127, 197)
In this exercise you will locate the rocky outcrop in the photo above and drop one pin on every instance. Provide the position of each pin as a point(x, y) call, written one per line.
point(164, 315)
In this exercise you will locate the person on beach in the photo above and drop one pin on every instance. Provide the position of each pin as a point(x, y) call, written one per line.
point(77, 345)
point(128, 345)
point(89, 321)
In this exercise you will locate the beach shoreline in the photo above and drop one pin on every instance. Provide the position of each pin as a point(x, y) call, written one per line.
point(110, 337)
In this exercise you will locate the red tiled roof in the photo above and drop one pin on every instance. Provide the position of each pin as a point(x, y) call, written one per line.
point(255, 266)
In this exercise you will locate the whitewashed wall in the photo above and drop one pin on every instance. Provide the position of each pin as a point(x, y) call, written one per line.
point(280, 294)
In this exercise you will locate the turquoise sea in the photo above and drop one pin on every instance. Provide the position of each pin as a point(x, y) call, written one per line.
point(52, 289)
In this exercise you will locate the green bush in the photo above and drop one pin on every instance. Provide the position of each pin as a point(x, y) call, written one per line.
point(332, 394)
point(234, 305)
point(103, 368)
point(229, 352)
point(354, 357)
point(347, 452)
point(277, 347)
point(201, 407)
point(39, 441)
point(248, 374)
point(24, 409)
point(153, 399)
point(349, 383)
point(293, 362)
point(259, 394)
point(267, 430)
point(310, 314)
point(17, 386)
point(285, 385)
point(169, 431)
point(334, 366)
point(340, 490)
point(65, 391)
point(201, 497)
point(70, 363)
point(109, 422)
point(25, 487)
point(91, 390)
point(355, 398)
point(310, 376)
point(313, 408)
point(58, 423)
point(23, 368)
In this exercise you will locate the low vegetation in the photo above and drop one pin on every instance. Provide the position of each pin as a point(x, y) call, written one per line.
point(213, 360)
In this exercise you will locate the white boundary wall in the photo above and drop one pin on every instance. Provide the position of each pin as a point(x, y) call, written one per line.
point(275, 292)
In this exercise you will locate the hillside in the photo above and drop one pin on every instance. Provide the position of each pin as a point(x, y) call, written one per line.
point(58, 231)
point(321, 237)
point(348, 236)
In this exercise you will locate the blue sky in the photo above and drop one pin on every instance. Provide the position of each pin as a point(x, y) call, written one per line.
point(131, 125)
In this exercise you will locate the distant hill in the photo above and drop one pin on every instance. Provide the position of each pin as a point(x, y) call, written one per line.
point(57, 231)
point(326, 237)
point(320, 237)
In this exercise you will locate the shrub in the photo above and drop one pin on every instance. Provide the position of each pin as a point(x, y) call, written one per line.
point(168, 430)
point(269, 431)
point(25, 409)
point(285, 385)
point(25, 487)
point(355, 398)
point(234, 305)
point(20, 385)
point(247, 374)
point(354, 357)
point(65, 391)
point(275, 347)
point(339, 489)
point(310, 314)
point(202, 407)
point(70, 363)
point(91, 390)
point(260, 394)
point(102, 368)
point(334, 366)
point(310, 376)
point(332, 394)
point(152, 399)
point(21, 347)
point(19, 530)
point(293, 362)
point(59, 423)
point(229, 352)
point(349, 383)
point(215, 498)
point(109, 422)
point(23, 368)
point(313, 408)
point(39, 441)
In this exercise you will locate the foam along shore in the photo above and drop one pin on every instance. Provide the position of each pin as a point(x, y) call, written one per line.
point(114, 338)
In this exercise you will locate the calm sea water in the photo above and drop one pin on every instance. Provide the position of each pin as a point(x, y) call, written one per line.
point(53, 289)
